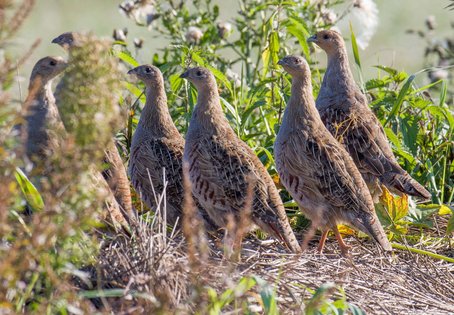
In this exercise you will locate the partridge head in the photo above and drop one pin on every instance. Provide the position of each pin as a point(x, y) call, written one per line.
point(200, 77)
point(48, 68)
point(65, 40)
point(150, 75)
point(328, 40)
point(296, 66)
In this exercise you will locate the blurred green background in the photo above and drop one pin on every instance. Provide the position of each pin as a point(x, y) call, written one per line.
point(390, 46)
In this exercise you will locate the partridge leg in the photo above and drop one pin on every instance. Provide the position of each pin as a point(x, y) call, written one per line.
point(344, 247)
point(321, 244)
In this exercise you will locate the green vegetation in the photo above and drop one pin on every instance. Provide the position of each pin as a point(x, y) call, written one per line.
point(44, 257)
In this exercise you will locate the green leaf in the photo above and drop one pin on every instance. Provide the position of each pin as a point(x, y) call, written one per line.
point(136, 91)
point(393, 137)
point(229, 295)
point(410, 129)
point(355, 309)
point(400, 99)
point(268, 295)
point(266, 56)
point(175, 82)
point(126, 58)
point(296, 28)
point(274, 47)
point(450, 227)
point(421, 215)
point(389, 70)
point(30, 192)
point(377, 83)
point(426, 87)
point(355, 47)
point(197, 59)
point(230, 109)
point(319, 298)
point(250, 109)
point(221, 77)
point(442, 113)
point(268, 159)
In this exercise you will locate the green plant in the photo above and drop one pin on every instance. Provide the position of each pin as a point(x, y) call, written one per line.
point(419, 128)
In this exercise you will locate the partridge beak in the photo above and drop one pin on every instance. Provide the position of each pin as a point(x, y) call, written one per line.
point(184, 75)
point(281, 62)
point(312, 39)
point(132, 71)
point(55, 40)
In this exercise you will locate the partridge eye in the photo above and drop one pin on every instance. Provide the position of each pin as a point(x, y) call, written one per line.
point(199, 73)
point(53, 63)
point(326, 36)
point(296, 60)
point(147, 69)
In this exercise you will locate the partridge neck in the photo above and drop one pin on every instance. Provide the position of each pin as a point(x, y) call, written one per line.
point(301, 105)
point(39, 94)
point(338, 76)
point(208, 111)
point(155, 114)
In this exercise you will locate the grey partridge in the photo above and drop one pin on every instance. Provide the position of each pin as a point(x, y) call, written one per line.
point(45, 128)
point(316, 170)
point(44, 125)
point(157, 150)
point(346, 114)
point(115, 171)
point(221, 167)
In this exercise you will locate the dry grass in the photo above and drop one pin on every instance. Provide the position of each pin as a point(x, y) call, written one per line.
point(399, 284)
point(153, 273)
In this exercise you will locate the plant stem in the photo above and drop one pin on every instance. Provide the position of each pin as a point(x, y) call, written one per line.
point(422, 252)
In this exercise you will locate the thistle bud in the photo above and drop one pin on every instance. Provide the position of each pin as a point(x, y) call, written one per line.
point(193, 35)
point(224, 29)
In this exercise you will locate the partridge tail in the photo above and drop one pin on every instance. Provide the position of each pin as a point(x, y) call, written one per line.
point(404, 183)
point(117, 179)
point(283, 232)
point(290, 239)
point(372, 226)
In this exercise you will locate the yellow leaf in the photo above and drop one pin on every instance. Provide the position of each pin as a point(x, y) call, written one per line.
point(345, 230)
point(444, 210)
point(396, 206)
point(276, 179)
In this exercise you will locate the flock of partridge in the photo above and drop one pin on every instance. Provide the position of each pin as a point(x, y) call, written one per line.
point(332, 154)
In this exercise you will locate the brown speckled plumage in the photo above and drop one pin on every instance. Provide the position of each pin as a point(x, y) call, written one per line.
point(43, 123)
point(344, 111)
point(221, 167)
point(116, 177)
point(45, 129)
point(157, 147)
point(115, 173)
point(316, 169)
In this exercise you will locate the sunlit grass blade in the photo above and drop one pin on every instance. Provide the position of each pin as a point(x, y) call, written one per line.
point(443, 92)
point(30, 192)
point(355, 47)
